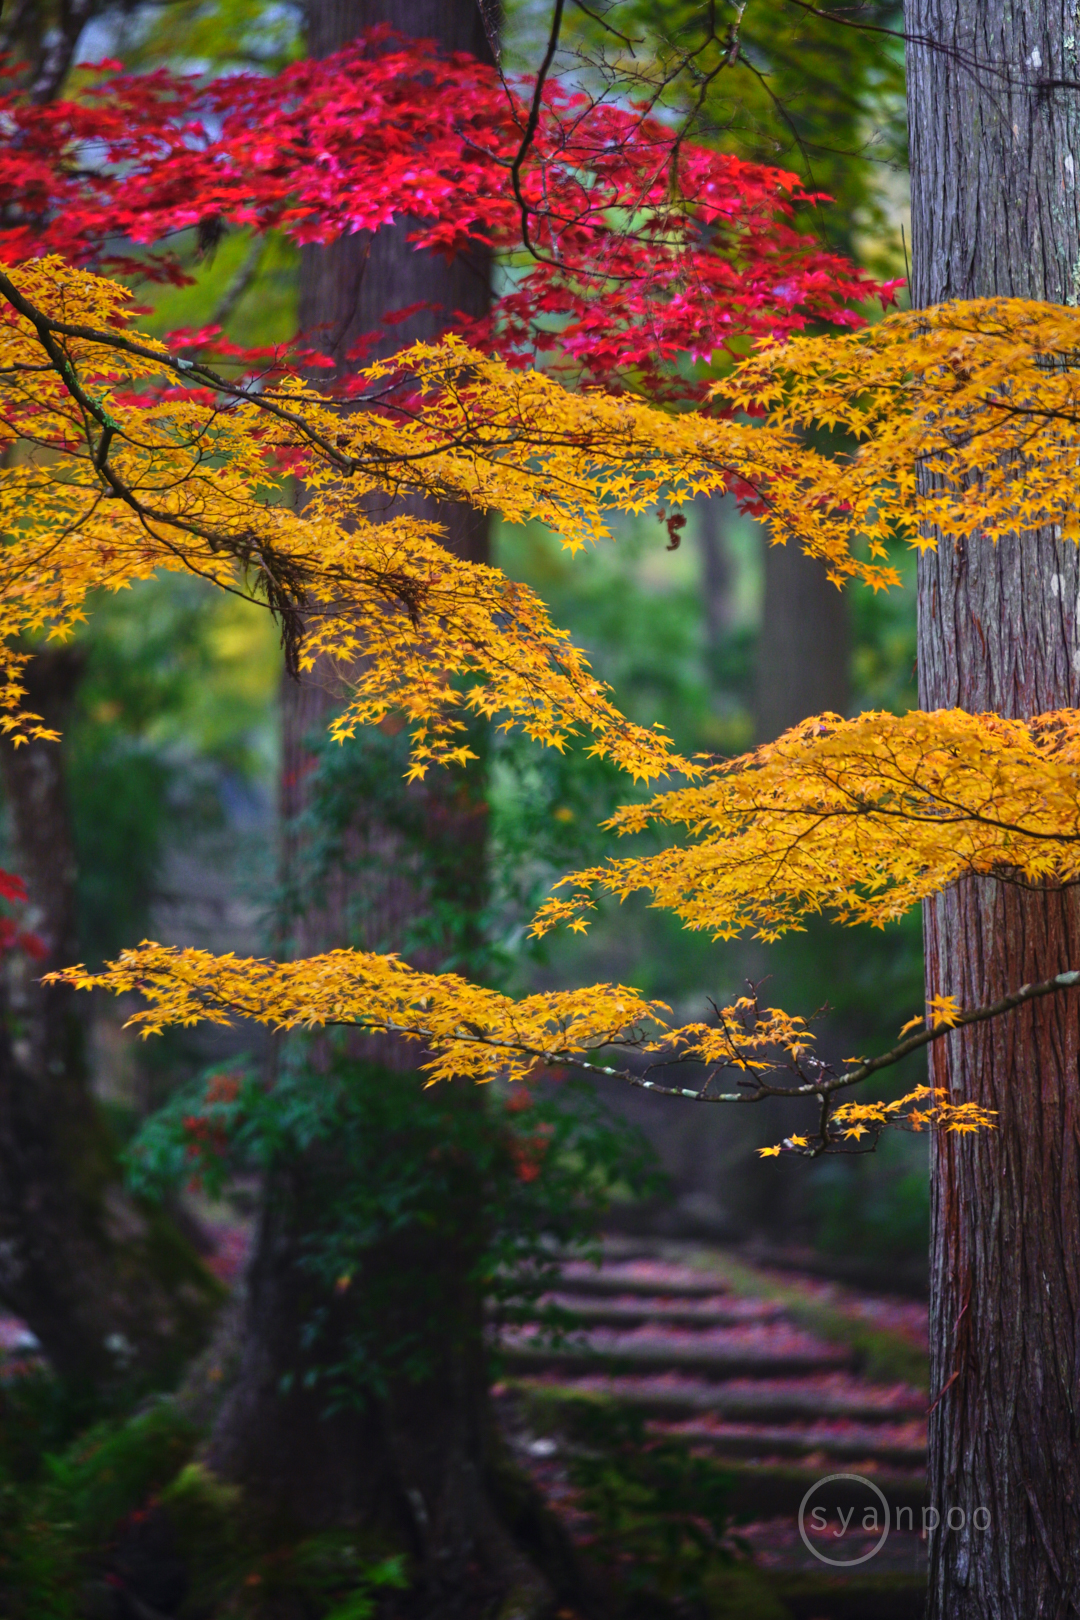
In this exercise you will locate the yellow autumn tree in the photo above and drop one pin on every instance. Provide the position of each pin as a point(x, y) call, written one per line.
point(122, 458)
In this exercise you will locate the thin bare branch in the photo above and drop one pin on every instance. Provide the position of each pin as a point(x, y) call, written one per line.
point(533, 121)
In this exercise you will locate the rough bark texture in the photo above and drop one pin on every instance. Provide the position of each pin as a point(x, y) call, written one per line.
point(110, 1287)
point(995, 210)
point(805, 648)
point(417, 1458)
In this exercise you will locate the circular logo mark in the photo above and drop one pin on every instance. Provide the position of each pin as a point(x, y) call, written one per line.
point(841, 1503)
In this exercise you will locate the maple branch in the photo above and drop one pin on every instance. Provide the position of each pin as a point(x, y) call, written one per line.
point(863, 27)
point(978, 1015)
point(470, 1032)
point(796, 135)
point(189, 371)
point(822, 1087)
point(952, 813)
point(533, 121)
point(964, 59)
point(732, 54)
point(558, 1057)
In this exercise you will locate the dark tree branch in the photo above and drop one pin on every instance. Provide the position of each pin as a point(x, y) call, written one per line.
point(822, 1086)
point(58, 49)
point(533, 120)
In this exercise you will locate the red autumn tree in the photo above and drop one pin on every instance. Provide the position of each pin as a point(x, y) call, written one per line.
point(640, 249)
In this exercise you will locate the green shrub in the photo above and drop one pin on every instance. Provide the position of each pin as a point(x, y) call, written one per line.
point(56, 1532)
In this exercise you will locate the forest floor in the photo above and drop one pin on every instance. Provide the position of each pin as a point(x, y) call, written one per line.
point(786, 1381)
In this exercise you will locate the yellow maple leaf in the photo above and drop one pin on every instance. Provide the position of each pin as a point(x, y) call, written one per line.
point(105, 480)
point(944, 1010)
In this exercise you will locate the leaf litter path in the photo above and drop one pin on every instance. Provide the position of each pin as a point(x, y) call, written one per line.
point(785, 1378)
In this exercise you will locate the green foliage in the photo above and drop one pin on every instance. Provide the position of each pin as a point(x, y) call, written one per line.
point(331, 1567)
point(637, 609)
point(62, 1530)
point(234, 1568)
point(662, 1522)
point(207, 1521)
point(175, 702)
point(39, 1414)
point(544, 814)
point(55, 1531)
point(876, 1209)
point(866, 978)
point(115, 1467)
point(219, 34)
point(741, 1592)
point(334, 856)
point(883, 636)
point(504, 1182)
point(660, 1512)
point(780, 83)
point(248, 286)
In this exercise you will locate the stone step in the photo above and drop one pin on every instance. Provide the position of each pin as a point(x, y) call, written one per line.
point(890, 1586)
point(853, 1596)
point(897, 1445)
point(734, 1375)
point(652, 1278)
point(761, 1400)
point(632, 1310)
point(767, 1490)
point(763, 1348)
point(614, 1249)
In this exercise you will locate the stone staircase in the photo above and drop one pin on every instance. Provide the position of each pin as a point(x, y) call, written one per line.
point(763, 1372)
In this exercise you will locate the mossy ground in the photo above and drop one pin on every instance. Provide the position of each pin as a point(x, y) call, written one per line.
point(126, 1506)
point(126, 1511)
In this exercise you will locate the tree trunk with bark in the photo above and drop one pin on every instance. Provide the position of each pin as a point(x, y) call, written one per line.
point(110, 1287)
point(995, 210)
point(804, 652)
point(417, 1455)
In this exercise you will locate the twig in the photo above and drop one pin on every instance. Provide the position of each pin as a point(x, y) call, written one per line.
point(532, 122)
point(596, 17)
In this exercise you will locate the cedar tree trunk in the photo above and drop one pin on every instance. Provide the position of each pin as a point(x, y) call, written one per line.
point(110, 1287)
point(994, 149)
point(416, 1457)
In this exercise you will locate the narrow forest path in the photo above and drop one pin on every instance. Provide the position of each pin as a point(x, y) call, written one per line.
point(784, 1378)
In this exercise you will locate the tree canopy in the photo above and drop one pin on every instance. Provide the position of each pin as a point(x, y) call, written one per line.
point(127, 455)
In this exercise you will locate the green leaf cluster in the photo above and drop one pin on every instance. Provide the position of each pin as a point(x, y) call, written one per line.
point(507, 1180)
